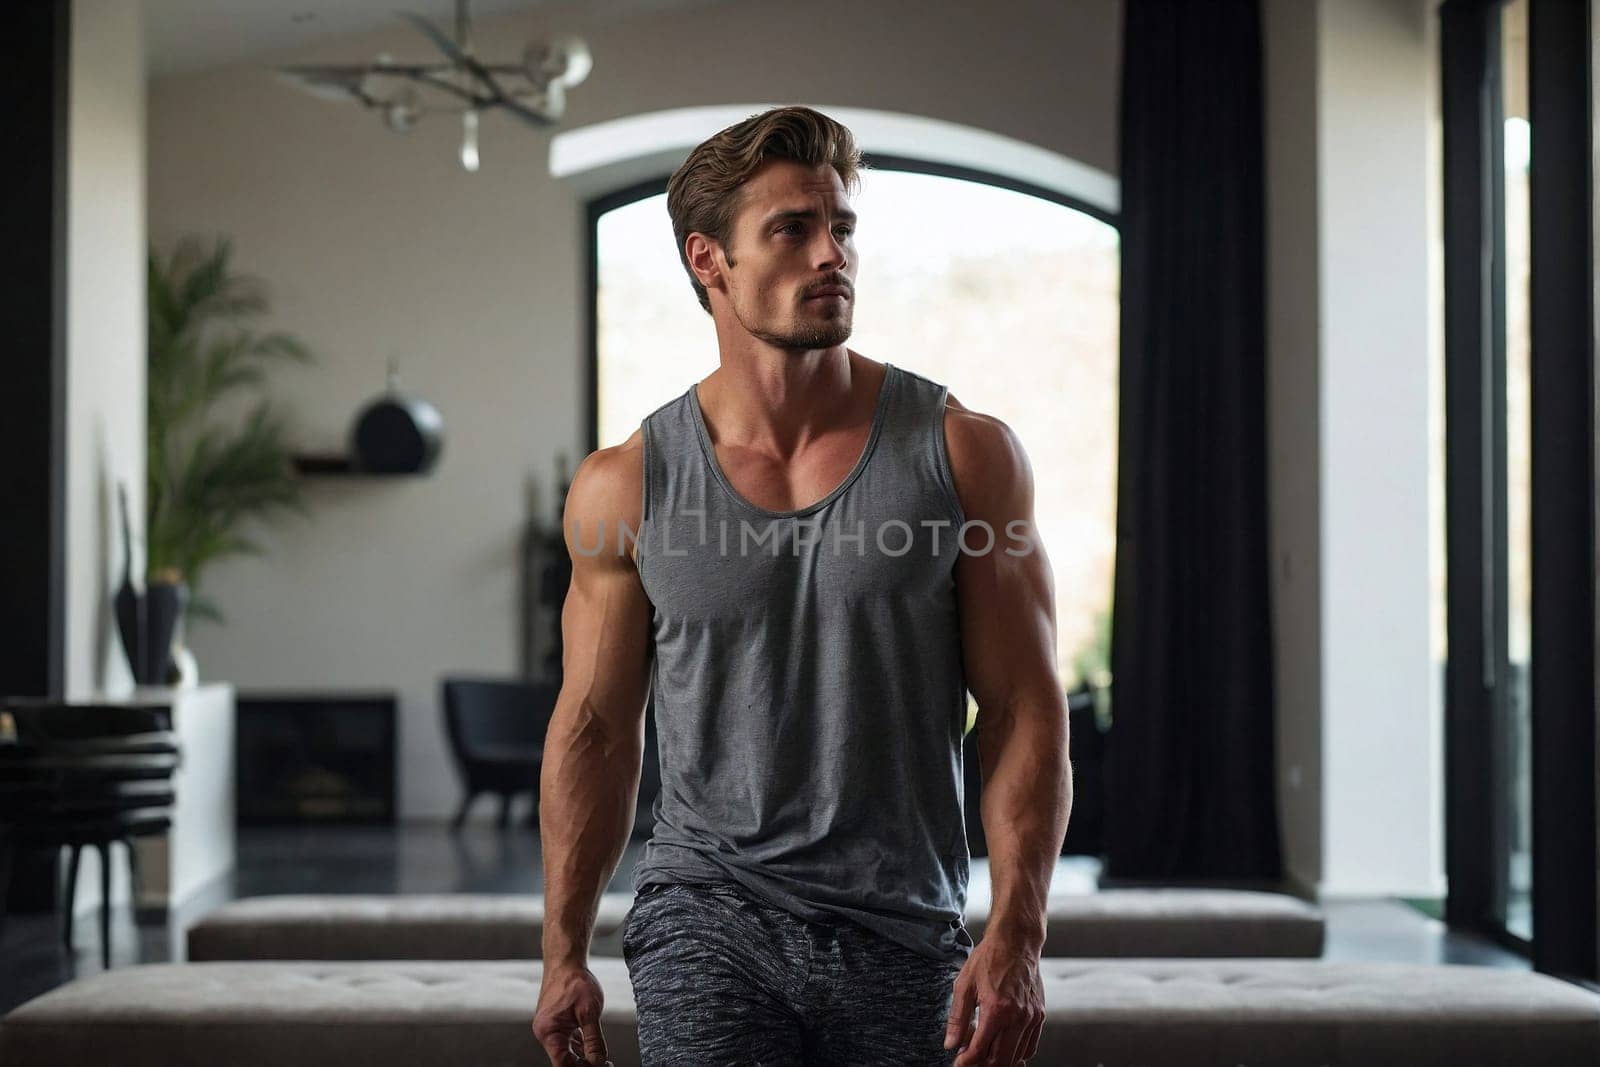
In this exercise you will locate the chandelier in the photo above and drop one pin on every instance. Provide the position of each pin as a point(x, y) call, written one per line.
point(532, 88)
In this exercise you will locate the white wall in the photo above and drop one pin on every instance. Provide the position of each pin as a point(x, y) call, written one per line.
point(105, 432)
point(1350, 109)
point(378, 245)
point(1381, 767)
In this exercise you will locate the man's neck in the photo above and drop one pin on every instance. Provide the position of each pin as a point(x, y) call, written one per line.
point(778, 403)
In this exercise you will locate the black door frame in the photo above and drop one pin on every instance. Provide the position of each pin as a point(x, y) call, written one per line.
point(1477, 689)
point(1561, 103)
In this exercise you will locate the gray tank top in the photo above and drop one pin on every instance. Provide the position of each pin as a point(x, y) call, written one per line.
point(807, 681)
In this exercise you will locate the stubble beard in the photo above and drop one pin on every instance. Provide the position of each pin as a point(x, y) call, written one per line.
point(804, 334)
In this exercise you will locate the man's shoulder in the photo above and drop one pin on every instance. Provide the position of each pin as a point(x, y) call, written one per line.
point(986, 456)
point(979, 440)
point(607, 488)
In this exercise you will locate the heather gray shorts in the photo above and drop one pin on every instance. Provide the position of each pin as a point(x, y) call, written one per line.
point(721, 977)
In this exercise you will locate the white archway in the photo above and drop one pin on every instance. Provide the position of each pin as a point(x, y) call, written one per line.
point(611, 155)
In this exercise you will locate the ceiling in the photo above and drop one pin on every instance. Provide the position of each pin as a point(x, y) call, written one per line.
point(183, 36)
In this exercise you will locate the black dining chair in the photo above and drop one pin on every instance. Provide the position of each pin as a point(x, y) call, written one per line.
point(80, 776)
point(496, 729)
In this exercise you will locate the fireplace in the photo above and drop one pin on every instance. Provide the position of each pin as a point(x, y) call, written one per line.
point(316, 757)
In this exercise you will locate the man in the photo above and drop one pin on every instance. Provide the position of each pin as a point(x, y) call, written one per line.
point(810, 593)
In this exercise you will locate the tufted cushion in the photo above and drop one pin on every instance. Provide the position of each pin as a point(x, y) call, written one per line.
point(305, 1014)
point(448, 926)
point(1112, 923)
point(1175, 923)
point(1112, 1013)
point(1177, 1013)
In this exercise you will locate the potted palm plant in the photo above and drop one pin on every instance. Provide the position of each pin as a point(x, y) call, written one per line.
point(206, 476)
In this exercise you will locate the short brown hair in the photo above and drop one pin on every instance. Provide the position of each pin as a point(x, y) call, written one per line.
point(703, 194)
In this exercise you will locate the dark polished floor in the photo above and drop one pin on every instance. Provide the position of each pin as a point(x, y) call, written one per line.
point(428, 858)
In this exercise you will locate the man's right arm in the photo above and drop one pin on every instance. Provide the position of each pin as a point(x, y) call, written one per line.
point(590, 778)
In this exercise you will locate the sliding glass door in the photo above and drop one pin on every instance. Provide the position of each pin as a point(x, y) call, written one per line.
point(1519, 476)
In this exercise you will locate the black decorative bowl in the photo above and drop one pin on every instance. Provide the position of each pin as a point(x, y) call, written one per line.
point(396, 434)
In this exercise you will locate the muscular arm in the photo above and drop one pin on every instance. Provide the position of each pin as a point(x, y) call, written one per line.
point(1008, 635)
point(590, 779)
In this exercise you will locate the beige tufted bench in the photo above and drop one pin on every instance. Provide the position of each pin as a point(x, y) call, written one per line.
point(1176, 923)
point(449, 926)
point(1169, 923)
point(1100, 1013)
point(303, 1014)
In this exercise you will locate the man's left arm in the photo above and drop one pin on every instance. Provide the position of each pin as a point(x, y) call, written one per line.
point(1006, 597)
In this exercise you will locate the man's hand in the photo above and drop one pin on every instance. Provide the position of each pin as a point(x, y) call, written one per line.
point(567, 1020)
point(1003, 983)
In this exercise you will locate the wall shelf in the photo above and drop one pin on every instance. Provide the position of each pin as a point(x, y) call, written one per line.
point(319, 464)
point(322, 463)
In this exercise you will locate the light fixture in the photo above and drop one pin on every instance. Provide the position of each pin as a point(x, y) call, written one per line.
point(533, 88)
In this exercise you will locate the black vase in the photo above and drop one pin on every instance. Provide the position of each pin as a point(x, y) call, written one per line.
point(164, 605)
point(129, 602)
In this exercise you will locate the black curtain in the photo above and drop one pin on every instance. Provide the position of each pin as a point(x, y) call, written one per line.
point(33, 127)
point(33, 206)
point(1189, 776)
